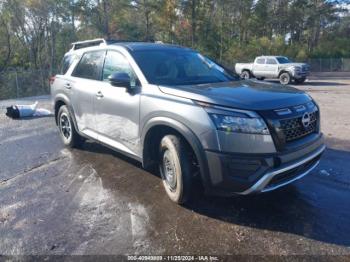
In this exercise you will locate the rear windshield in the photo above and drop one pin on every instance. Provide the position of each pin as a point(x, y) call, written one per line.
point(179, 67)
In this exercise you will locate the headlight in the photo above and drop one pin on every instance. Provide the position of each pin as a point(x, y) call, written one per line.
point(239, 124)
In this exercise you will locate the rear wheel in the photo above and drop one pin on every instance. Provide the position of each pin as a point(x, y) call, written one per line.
point(175, 168)
point(285, 78)
point(245, 75)
point(69, 135)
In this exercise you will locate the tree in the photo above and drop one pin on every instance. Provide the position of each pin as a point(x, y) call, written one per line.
point(36, 33)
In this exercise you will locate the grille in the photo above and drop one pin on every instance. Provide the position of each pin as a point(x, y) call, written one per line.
point(305, 69)
point(293, 128)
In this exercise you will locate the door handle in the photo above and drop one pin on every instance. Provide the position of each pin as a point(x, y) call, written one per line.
point(67, 85)
point(99, 94)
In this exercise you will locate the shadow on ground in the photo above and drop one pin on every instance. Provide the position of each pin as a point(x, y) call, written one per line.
point(316, 207)
point(319, 83)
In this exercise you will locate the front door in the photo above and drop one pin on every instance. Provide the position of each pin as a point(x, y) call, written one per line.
point(117, 108)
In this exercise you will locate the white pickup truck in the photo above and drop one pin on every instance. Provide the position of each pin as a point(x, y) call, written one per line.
point(278, 67)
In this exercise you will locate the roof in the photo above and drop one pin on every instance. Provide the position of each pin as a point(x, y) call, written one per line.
point(130, 45)
point(271, 56)
point(136, 46)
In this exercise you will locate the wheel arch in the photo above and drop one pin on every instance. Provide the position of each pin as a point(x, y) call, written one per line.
point(61, 100)
point(247, 70)
point(284, 71)
point(159, 126)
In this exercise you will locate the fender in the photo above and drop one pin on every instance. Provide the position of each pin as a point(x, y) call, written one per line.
point(63, 98)
point(285, 70)
point(191, 138)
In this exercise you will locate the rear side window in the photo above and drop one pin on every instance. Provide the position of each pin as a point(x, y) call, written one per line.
point(260, 61)
point(271, 61)
point(66, 63)
point(90, 66)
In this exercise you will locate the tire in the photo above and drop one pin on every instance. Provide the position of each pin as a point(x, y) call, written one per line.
point(260, 78)
point(285, 78)
point(69, 135)
point(300, 80)
point(246, 75)
point(175, 168)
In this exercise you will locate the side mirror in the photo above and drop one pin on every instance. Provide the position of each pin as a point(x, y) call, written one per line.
point(120, 80)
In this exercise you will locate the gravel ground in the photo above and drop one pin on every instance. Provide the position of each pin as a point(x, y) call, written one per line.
point(57, 201)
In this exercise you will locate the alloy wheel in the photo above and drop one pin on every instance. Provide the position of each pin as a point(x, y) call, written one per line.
point(65, 126)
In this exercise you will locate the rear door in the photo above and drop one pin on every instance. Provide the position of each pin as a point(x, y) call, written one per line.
point(271, 67)
point(259, 66)
point(86, 81)
point(117, 108)
point(62, 81)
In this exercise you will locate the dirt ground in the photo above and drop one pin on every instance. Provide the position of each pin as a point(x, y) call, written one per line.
point(91, 200)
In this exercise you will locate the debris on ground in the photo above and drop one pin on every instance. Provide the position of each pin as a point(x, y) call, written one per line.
point(20, 111)
point(324, 173)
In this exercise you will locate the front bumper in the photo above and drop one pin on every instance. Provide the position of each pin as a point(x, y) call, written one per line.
point(303, 74)
point(247, 174)
point(279, 177)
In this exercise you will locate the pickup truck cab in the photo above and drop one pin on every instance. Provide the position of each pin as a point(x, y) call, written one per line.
point(279, 67)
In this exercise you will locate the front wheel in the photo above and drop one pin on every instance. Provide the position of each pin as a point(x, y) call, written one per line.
point(285, 78)
point(175, 168)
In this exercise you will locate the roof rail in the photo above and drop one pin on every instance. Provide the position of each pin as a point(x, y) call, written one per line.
point(88, 43)
point(99, 41)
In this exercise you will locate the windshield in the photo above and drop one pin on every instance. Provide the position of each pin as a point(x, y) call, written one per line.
point(179, 67)
point(283, 60)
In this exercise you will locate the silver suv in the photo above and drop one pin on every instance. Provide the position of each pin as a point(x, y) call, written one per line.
point(177, 111)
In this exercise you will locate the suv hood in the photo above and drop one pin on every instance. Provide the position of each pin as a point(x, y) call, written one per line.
point(244, 94)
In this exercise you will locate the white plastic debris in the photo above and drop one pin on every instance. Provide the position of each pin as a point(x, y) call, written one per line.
point(27, 110)
point(42, 112)
point(324, 172)
point(20, 111)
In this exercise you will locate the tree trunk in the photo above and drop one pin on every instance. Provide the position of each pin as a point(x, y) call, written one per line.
point(8, 40)
point(73, 19)
point(194, 22)
point(53, 49)
point(106, 19)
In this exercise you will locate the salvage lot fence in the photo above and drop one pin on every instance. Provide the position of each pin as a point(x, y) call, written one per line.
point(16, 83)
point(329, 64)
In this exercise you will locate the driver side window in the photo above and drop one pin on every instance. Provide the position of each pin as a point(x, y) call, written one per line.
point(115, 62)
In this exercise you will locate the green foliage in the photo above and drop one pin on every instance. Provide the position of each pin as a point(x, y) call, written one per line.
point(36, 33)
